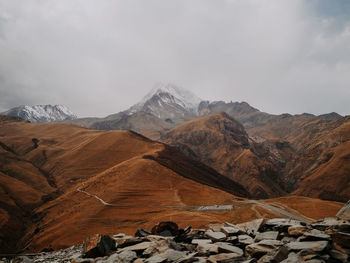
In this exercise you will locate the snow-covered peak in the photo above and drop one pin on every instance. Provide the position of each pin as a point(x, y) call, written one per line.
point(42, 113)
point(189, 99)
point(167, 94)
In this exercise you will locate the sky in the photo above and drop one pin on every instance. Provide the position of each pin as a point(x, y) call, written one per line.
point(100, 57)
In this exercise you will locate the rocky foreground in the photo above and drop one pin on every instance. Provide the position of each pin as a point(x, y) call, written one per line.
point(273, 240)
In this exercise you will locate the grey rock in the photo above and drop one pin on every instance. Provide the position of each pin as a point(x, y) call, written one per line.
point(263, 247)
point(156, 259)
point(312, 245)
point(123, 257)
point(293, 258)
point(315, 234)
point(228, 248)
point(230, 231)
point(273, 235)
point(206, 248)
point(245, 239)
point(251, 227)
point(288, 239)
point(215, 236)
point(336, 254)
point(123, 241)
point(22, 259)
point(223, 257)
point(201, 241)
point(138, 247)
point(156, 247)
point(344, 212)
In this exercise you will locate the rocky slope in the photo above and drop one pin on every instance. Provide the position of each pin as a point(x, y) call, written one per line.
point(222, 143)
point(42, 113)
point(273, 240)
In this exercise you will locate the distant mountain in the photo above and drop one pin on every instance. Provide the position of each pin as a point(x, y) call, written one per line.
point(42, 113)
point(167, 101)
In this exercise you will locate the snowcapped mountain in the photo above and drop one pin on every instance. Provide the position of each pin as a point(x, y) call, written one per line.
point(167, 101)
point(42, 113)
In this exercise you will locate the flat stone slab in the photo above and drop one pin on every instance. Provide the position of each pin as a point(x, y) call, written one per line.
point(230, 231)
point(263, 247)
point(251, 227)
point(201, 241)
point(312, 245)
point(222, 257)
point(138, 247)
point(216, 236)
point(245, 239)
point(225, 247)
point(272, 235)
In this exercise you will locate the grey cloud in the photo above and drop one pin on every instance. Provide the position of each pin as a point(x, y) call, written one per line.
point(99, 57)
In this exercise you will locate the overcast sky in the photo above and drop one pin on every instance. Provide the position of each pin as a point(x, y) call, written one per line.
point(100, 57)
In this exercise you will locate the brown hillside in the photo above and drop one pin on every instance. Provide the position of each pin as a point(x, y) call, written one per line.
point(43, 162)
point(222, 143)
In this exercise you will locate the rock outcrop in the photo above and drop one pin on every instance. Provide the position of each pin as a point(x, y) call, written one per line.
point(273, 240)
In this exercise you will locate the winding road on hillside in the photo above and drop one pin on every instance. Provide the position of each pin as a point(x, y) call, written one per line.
point(292, 214)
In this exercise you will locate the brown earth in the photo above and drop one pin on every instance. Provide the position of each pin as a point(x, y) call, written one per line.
point(222, 143)
point(61, 183)
point(43, 165)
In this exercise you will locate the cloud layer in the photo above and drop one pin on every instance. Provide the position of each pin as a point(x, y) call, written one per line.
point(100, 57)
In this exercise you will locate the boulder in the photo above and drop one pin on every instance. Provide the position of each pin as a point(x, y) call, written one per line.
point(165, 229)
point(312, 245)
point(98, 246)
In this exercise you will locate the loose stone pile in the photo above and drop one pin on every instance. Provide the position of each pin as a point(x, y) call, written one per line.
point(273, 240)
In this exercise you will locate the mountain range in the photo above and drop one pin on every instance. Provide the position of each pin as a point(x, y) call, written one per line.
point(41, 113)
point(161, 160)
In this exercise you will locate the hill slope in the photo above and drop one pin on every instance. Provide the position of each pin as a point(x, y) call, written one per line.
point(50, 172)
point(222, 143)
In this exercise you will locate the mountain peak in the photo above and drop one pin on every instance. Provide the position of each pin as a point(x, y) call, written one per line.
point(42, 113)
point(168, 101)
